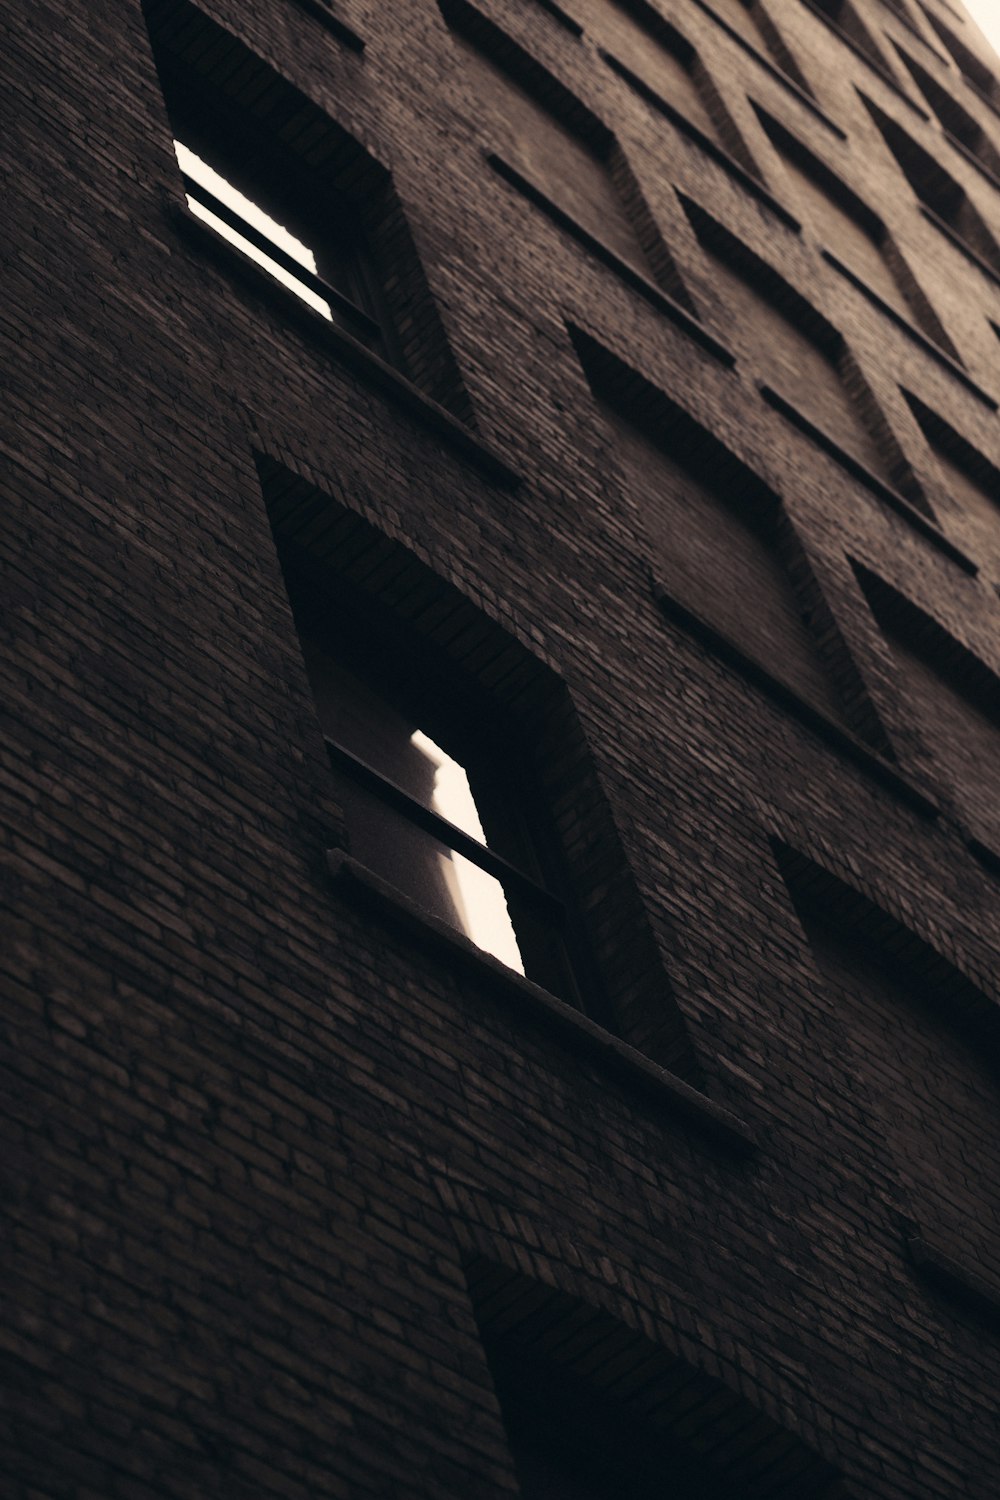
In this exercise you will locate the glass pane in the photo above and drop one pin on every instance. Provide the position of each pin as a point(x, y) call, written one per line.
point(206, 176)
point(442, 882)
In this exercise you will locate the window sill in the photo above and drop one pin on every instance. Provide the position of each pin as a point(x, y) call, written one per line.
point(348, 350)
point(747, 181)
point(333, 24)
point(609, 1052)
point(773, 69)
point(814, 718)
point(878, 68)
point(928, 345)
point(959, 243)
point(857, 470)
point(956, 1281)
point(633, 278)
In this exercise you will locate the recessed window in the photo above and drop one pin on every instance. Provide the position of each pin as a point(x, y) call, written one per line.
point(852, 232)
point(972, 68)
point(793, 347)
point(845, 19)
point(750, 20)
point(438, 792)
point(964, 131)
point(557, 145)
point(944, 200)
point(237, 219)
point(261, 200)
point(288, 200)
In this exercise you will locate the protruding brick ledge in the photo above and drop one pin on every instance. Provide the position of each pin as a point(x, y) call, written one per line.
point(574, 1029)
point(912, 331)
point(955, 1280)
point(653, 294)
point(347, 350)
point(861, 472)
point(826, 728)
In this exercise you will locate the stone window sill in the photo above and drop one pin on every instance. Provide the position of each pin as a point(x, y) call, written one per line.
point(889, 497)
point(349, 351)
point(653, 294)
point(913, 332)
point(368, 890)
point(814, 718)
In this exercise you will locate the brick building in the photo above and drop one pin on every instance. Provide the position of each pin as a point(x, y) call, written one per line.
point(502, 536)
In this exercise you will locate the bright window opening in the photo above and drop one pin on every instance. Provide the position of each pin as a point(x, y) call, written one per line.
point(205, 176)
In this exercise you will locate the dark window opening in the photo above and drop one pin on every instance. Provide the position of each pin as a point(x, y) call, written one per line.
point(593, 1410)
point(972, 68)
point(852, 232)
point(957, 122)
point(845, 19)
point(942, 197)
point(571, 1441)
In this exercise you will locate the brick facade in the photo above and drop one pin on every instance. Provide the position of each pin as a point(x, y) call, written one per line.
point(669, 470)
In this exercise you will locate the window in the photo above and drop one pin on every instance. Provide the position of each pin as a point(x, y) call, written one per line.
point(973, 69)
point(557, 147)
point(969, 497)
point(434, 705)
point(795, 350)
point(844, 19)
point(912, 1038)
point(259, 196)
point(960, 126)
point(642, 44)
point(275, 176)
point(852, 232)
point(944, 201)
point(952, 697)
point(720, 543)
point(750, 22)
point(438, 796)
point(594, 1410)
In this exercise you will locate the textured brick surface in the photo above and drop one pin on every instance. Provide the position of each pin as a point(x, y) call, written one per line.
point(254, 1130)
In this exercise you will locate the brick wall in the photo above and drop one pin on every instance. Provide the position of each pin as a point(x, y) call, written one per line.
point(265, 1125)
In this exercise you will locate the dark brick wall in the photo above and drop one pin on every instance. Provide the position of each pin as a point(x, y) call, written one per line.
point(259, 1122)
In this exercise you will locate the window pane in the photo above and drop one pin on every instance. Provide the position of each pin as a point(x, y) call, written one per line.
point(434, 876)
point(486, 918)
point(206, 176)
